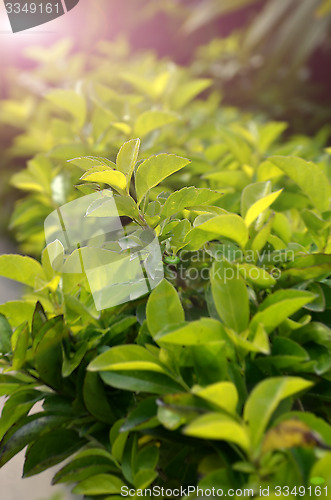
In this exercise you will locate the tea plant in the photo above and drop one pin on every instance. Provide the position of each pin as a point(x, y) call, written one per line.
point(218, 377)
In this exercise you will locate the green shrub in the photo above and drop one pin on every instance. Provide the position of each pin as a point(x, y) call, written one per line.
point(220, 376)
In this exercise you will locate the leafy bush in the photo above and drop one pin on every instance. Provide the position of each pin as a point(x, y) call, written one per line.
point(220, 376)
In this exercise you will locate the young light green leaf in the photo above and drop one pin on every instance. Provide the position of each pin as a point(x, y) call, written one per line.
point(260, 206)
point(154, 170)
point(255, 275)
point(187, 91)
point(237, 145)
point(87, 162)
point(70, 101)
point(269, 133)
point(261, 340)
point(200, 332)
point(253, 193)
point(163, 308)
point(222, 394)
point(19, 268)
point(264, 400)
point(308, 176)
point(228, 226)
point(219, 426)
point(126, 357)
point(106, 175)
point(18, 311)
point(127, 158)
point(152, 120)
point(188, 197)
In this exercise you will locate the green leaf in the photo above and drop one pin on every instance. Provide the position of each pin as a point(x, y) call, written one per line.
point(127, 158)
point(261, 340)
point(18, 311)
point(70, 363)
point(126, 206)
point(308, 176)
point(144, 478)
point(188, 197)
point(9, 385)
point(147, 458)
point(95, 398)
point(36, 177)
point(178, 234)
point(142, 416)
point(319, 425)
point(29, 429)
point(320, 473)
point(106, 175)
point(268, 134)
point(101, 484)
point(163, 308)
point(228, 226)
point(17, 406)
point(219, 426)
point(254, 202)
point(70, 101)
point(78, 474)
point(200, 332)
point(264, 400)
point(313, 221)
point(154, 170)
point(5, 335)
point(49, 450)
point(39, 316)
point(20, 343)
point(152, 120)
point(230, 296)
point(126, 357)
point(237, 145)
point(280, 306)
point(88, 162)
point(22, 269)
point(118, 443)
point(237, 179)
point(306, 267)
point(257, 276)
point(141, 381)
point(187, 91)
point(222, 394)
point(210, 362)
point(48, 352)
point(85, 464)
point(285, 354)
point(104, 207)
point(253, 193)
